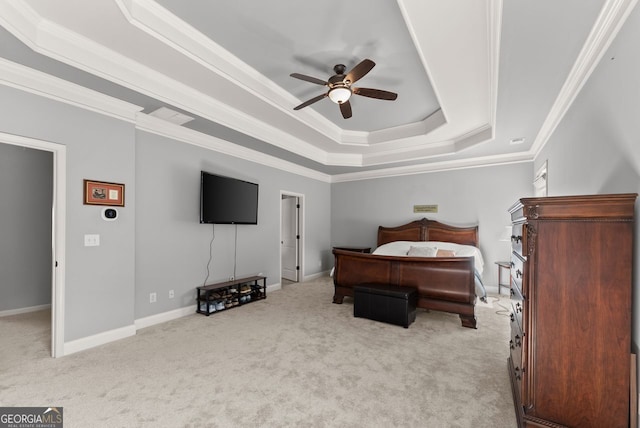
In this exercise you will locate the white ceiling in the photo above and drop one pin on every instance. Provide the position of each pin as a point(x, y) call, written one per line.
point(470, 74)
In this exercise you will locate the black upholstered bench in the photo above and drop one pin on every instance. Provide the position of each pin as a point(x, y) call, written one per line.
point(387, 303)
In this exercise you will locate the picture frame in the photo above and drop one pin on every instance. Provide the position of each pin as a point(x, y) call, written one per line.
point(103, 193)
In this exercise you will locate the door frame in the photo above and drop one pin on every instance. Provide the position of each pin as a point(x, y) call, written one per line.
point(300, 197)
point(58, 216)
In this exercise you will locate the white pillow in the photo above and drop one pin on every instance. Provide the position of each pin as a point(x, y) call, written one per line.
point(422, 251)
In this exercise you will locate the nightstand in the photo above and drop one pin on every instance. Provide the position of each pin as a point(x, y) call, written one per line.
point(501, 266)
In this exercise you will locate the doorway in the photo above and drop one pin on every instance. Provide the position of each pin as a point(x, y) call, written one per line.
point(291, 208)
point(57, 232)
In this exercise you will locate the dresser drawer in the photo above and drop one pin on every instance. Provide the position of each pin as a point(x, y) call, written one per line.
point(515, 349)
point(518, 237)
point(517, 307)
point(517, 271)
point(515, 345)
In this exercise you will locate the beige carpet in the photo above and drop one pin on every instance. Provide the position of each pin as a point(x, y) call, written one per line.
point(292, 360)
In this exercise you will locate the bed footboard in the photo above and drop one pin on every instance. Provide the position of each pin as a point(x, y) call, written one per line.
point(443, 283)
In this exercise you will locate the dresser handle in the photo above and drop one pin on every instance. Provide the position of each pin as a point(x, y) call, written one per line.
point(518, 274)
point(512, 264)
point(518, 307)
point(517, 343)
point(516, 238)
point(517, 373)
point(513, 318)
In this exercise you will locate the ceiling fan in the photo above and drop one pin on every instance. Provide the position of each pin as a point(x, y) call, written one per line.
point(340, 89)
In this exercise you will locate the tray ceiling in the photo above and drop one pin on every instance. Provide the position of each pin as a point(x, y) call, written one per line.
point(470, 75)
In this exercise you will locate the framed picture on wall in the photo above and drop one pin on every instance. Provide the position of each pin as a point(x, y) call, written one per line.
point(103, 193)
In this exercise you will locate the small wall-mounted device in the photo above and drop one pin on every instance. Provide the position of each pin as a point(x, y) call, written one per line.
point(109, 214)
point(425, 208)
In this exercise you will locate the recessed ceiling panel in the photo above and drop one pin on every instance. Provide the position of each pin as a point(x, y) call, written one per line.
point(278, 38)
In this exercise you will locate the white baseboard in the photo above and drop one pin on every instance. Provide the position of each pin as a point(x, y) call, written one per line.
point(316, 275)
point(98, 339)
point(274, 287)
point(120, 333)
point(19, 311)
point(181, 312)
point(311, 277)
point(164, 317)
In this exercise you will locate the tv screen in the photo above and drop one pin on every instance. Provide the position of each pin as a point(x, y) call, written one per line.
point(226, 200)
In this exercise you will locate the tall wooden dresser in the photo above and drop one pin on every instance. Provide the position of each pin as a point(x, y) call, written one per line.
point(571, 266)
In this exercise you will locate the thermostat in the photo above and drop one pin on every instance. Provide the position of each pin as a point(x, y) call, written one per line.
point(109, 214)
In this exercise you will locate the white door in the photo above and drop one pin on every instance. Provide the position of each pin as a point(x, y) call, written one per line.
point(58, 215)
point(290, 238)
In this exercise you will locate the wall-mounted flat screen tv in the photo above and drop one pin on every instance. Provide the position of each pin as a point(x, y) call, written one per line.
point(226, 200)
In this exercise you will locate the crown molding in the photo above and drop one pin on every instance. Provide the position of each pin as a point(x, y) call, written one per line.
point(442, 148)
point(436, 150)
point(344, 159)
point(443, 166)
point(151, 18)
point(57, 42)
point(494, 13)
point(612, 16)
point(477, 136)
point(156, 21)
point(36, 82)
point(446, 79)
point(166, 129)
point(42, 84)
point(417, 129)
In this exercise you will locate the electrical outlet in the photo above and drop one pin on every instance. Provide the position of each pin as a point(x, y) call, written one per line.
point(171, 294)
point(152, 297)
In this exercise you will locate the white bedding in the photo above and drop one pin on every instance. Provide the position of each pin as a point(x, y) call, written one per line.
point(402, 248)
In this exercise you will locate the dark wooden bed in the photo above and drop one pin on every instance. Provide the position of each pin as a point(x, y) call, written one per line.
point(443, 283)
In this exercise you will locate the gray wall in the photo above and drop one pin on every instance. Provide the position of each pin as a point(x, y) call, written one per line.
point(157, 244)
point(596, 148)
point(464, 197)
point(26, 194)
point(99, 280)
point(172, 247)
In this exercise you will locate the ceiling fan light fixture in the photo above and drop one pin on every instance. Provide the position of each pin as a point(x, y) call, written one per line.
point(340, 89)
point(340, 94)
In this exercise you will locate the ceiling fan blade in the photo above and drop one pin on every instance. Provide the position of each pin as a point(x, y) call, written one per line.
point(311, 101)
point(309, 79)
point(359, 70)
point(345, 109)
point(375, 93)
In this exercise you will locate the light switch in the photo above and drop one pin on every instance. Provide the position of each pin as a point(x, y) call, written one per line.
point(91, 240)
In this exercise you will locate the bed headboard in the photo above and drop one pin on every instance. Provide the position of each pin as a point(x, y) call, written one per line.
point(429, 230)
